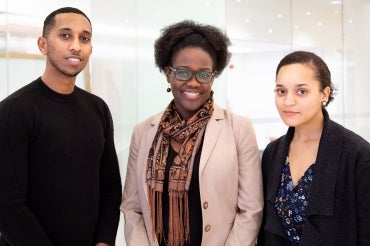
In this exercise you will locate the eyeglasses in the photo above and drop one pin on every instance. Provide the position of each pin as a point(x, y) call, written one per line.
point(202, 77)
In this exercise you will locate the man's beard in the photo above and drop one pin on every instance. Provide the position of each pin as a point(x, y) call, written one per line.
point(62, 70)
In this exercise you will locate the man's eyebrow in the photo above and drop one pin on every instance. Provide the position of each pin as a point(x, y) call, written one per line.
point(87, 32)
point(70, 29)
point(65, 29)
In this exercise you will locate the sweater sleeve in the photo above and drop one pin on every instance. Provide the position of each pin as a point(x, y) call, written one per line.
point(363, 199)
point(110, 189)
point(18, 225)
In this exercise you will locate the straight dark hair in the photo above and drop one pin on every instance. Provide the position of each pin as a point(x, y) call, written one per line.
point(50, 19)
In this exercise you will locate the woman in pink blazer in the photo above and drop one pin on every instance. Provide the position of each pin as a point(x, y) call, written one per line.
point(193, 174)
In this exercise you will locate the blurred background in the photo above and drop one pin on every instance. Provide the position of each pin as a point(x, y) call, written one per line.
point(123, 73)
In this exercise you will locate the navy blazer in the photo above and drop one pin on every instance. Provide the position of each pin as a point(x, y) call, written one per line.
point(338, 211)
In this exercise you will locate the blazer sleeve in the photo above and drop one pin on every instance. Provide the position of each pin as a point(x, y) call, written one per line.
point(135, 230)
point(250, 194)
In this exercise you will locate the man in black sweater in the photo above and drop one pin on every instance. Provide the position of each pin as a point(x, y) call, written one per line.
point(59, 173)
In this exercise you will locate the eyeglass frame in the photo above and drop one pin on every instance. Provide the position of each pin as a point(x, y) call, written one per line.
point(193, 73)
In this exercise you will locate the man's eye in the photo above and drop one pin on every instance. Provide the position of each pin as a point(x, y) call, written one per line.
point(64, 35)
point(85, 39)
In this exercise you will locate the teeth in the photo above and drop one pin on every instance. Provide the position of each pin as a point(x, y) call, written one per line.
point(192, 93)
point(74, 59)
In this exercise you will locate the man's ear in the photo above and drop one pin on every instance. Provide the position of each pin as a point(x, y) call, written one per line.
point(43, 46)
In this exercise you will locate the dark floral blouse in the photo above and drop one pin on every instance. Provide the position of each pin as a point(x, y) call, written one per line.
point(291, 202)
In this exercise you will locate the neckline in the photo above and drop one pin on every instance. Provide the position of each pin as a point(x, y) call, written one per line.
point(55, 95)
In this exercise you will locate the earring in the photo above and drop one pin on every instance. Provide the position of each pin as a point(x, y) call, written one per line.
point(168, 89)
point(324, 103)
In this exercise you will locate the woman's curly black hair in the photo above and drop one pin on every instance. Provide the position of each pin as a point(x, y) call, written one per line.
point(188, 33)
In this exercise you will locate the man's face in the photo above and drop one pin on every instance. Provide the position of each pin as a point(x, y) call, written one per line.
point(68, 44)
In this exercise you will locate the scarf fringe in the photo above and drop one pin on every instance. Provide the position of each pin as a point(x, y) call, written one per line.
point(179, 231)
point(156, 212)
point(179, 228)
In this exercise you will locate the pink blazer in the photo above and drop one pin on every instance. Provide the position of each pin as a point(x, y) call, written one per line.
point(229, 179)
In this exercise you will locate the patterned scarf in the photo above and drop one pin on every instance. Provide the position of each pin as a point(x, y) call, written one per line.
point(189, 134)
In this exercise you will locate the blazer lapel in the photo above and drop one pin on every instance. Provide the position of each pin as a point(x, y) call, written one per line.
point(274, 172)
point(325, 173)
point(276, 160)
point(321, 201)
point(212, 132)
point(145, 144)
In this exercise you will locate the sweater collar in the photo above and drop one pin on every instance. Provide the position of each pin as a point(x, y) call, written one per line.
point(55, 95)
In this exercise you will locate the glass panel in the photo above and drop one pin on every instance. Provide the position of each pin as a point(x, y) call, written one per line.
point(22, 50)
point(263, 32)
point(356, 20)
point(3, 51)
point(113, 65)
point(261, 35)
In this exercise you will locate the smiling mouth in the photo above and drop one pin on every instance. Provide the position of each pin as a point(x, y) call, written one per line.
point(73, 58)
point(191, 94)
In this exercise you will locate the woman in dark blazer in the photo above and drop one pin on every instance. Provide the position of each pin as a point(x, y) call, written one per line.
point(316, 177)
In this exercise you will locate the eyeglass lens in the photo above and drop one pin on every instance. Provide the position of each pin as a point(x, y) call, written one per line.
point(186, 75)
